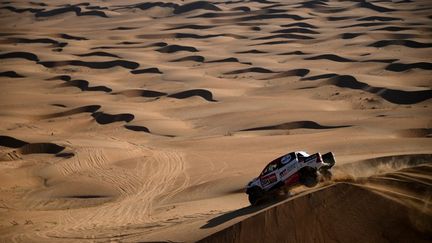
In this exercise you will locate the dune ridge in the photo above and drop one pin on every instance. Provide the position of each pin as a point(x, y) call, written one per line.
point(29, 148)
point(331, 206)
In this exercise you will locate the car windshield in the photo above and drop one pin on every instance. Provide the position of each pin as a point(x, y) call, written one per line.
point(279, 163)
point(270, 168)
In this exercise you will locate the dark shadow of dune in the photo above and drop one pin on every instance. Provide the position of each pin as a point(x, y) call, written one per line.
point(218, 15)
point(381, 60)
point(30, 148)
point(83, 85)
point(194, 6)
point(330, 57)
point(192, 26)
point(379, 18)
point(124, 28)
point(232, 215)
point(94, 65)
point(394, 28)
point(229, 59)
point(128, 43)
point(54, 43)
point(190, 58)
point(97, 8)
point(274, 43)
point(73, 8)
point(104, 118)
point(38, 4)
point(21, 10)
point(196, 36)
point(295, 30)
point(295, 72)
point(371, 6)
point(391, 95)
point(148, 5)
point(262, 1)
point(66, 155)
point(83, 109)
point(407, 43)
point(157, 44)
point(365, 25)
point(205, 94)
point(59, 105)
point(137, 128)
point(86, 196)
point(146, 70)
point(61, 77)
point(141, 93)
point(294, 125)
point(176, 48)
point(70, 37)
point(400, 67)
point(300, 24)
point(11, 74)
point(97, 53)
point(297, 53)
point(41, 148)
point(285, 36)
point(321, 7)
point(250, 70)
point(321, 76)
point(271, 16)
point(254, 51)
point(24, 55)
point(11, 142)
point(241, 8)
point(350, 35)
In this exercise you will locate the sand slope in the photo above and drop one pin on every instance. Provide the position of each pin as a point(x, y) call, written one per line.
point(389, 207)
point(143, 121)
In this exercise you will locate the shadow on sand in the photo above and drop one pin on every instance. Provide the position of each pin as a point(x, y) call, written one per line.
point(240, 212)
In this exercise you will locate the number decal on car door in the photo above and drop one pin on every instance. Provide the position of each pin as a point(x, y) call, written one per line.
point(268, 179)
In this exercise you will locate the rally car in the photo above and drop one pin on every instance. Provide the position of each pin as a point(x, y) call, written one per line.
point(289, 170)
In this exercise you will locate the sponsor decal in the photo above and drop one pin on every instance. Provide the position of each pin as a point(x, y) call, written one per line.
point(311, 159)
point(291, 167)
point(269, 179)
point(286, 159)
point(283, 172)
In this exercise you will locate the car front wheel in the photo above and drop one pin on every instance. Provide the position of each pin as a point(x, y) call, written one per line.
point(255, 196)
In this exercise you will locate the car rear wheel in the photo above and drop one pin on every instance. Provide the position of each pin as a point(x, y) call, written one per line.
point(308, 177)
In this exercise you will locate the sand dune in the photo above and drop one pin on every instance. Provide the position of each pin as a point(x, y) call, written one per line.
point(400, 190)
point(142, 121)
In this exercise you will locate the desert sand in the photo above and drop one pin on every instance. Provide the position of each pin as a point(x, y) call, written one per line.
point(137, 121)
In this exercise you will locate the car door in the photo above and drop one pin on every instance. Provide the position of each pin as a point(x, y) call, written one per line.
point(269, 177)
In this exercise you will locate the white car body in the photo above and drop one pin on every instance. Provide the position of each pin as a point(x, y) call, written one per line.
point(286, 167)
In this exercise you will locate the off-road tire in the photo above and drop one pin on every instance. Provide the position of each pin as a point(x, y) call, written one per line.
point(255, 195)
point(308, 177)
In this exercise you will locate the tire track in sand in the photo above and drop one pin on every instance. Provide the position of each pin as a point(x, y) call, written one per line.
point(160, 175)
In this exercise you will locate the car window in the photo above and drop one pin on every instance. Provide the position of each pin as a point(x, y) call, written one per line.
point(270, 168)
